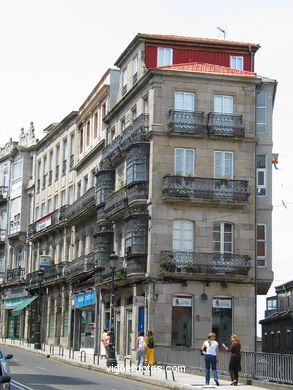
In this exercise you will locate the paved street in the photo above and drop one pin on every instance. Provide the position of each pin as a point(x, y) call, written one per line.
point(30, 371)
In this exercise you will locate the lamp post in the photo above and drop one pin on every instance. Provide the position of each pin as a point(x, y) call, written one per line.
point(111, 361)
point(37, 344)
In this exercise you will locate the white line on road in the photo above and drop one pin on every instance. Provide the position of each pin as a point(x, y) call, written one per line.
point(42, 368)
point(20, 386)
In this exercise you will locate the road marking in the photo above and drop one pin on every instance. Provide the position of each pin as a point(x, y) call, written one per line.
point(42, 368)
point(20, 386)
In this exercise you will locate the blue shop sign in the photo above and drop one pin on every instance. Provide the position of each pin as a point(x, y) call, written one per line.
point(84, 300)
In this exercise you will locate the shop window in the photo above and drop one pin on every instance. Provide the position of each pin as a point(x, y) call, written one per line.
point(52, 319)
point(65, 319)
point(222, 319)
point(181, 320)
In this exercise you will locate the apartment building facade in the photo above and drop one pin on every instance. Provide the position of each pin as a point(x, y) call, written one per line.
point(172, 172)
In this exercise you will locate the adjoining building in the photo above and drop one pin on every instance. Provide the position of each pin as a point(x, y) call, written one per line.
point(277, 326)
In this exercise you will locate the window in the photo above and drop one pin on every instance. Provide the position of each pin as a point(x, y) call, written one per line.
point(17, 172)
point(37, 212)
point(81, 140)
point(88, 133)
point(135, 65)
point(236, 62)
point(261, 175)
point(136, 169)
point(50, 166)
point(223, 237)
point(260, 245)
point(57, 157)
point(124, 81)
point(165, 56)
point(71, 194)
point(223, 165)
point(95, 125)
point(260, 114)
point(122, 125)
point(43, 209)
point(20, 258)
point(135, 235)
point(49, 205)
point(183, 236)
point(184, 161)
point(85, 184)
point(63, 198)
point(146, 105)
point(184, 101)
point(72, 150)
point(133, 113)
point(56, 202)
point(223, 104)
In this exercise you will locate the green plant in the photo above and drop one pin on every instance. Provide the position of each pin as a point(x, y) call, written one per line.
point(192, 269)
point(121, 183)
point(168, 266)
point(119, 275)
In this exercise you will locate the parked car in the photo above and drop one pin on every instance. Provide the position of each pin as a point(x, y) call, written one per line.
point(5, 372)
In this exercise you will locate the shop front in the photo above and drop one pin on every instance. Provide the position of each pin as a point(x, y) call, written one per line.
point(84, 327)
point(13, 322)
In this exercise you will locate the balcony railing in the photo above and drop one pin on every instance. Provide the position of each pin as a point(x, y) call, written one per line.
point(55, 272)
point(205, 188)
point(136, 264)
point(186, 122)
point(225, 124)
point(204, 263)
point(15, 274)
point(52, 219)
point(215, 124)
point(82, 264)
point(115, 202)
point(82, 205)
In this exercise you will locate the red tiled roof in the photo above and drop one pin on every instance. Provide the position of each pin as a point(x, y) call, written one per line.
point(196, 39)
point(200, 67)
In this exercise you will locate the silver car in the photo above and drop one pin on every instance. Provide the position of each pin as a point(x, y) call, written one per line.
point(5, 372)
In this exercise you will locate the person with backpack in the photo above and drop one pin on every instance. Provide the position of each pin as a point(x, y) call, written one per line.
point(149, 357)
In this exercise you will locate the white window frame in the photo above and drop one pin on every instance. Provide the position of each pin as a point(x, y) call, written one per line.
point(237, 62)
point(264, 171)
point(124, 77)
point(15, 178)
point(183, 225)
point(224, 98)
point(265, 245)
point(184, 95)
point(222, 237)
point(223, 165)
point(162, 58)
point(135, 65)
point(184, 170)
point(260, 127)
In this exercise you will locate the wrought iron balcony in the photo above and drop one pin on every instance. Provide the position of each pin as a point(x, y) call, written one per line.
point(205, 188)
point(56, 217)
point(186, 122)
point(137, 191)
point(120, 270)
point(55, 272)
point(82, 264)
point(115, 202)
point(15, 274)
point(32, 279)
point(204, 263)
point(3, 193)
point(83, 205)
point(225, 124)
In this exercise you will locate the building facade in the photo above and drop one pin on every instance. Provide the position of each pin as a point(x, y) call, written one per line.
point(172, 172)
point(277, 326)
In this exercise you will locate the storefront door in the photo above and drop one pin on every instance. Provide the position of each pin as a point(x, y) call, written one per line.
point(13, 326)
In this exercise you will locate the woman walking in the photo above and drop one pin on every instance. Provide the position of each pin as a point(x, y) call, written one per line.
point(141, 349)
point(149, 356)
point(103, 350)
point(210, 348)
point(235, 358)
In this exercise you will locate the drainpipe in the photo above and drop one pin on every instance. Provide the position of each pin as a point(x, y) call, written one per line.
point(251, 59)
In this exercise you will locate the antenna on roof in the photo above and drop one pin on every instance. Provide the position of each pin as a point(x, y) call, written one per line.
point(222, 30)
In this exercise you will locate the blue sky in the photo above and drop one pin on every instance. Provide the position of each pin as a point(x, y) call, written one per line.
point(53, 52)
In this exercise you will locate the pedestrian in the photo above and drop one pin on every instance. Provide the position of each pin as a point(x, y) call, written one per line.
point(210, 348)
point(107, 342)
point(235, 358)
point(103, 350)
point(149, 356)
point(141, 343)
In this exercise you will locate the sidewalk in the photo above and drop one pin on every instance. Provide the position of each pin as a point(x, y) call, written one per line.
point(182, 380)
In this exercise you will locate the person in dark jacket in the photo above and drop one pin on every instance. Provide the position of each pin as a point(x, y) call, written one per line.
point(235, 358)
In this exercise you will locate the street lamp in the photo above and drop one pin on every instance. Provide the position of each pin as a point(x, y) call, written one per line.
point(111, 361)
point(37, 344)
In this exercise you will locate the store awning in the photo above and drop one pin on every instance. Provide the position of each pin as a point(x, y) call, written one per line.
point(17, 310)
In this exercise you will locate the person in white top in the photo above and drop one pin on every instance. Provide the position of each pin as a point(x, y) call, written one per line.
point(210, 349)
point(141, 349)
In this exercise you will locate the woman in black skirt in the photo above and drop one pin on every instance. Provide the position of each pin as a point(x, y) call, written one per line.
point(235, 358)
